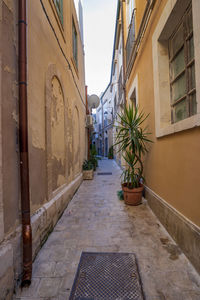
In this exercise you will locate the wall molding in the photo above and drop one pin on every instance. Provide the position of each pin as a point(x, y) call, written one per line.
point(42, 221)
point(182, 230)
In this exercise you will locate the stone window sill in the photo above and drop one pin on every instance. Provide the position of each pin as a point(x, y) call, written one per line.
point(185, 124)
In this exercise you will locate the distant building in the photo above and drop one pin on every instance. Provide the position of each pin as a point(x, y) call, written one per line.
point(104, 123)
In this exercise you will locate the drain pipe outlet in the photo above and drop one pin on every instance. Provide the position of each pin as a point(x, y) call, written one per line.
point(23, 136)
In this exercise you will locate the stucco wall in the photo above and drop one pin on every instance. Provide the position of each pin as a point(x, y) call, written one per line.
point(9, 148)
point(67, 147)
point(9, 112)
point(173, 162)
point(56, 123)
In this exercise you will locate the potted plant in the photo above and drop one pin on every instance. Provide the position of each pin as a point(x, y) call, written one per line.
point(88, 172)
point(93, 157)
point(132, 138)
point(110, 153)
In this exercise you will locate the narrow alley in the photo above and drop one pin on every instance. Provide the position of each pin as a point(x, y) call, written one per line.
point(80, 80)
point(97, 221)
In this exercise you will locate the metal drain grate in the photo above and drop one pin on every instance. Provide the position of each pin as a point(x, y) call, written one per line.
point(107, 276)
point(104, 173)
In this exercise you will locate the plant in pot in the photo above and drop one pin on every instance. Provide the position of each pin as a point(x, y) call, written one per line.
point(88, 172)
point(93, 157)
point(110, 153)
point(132, 139)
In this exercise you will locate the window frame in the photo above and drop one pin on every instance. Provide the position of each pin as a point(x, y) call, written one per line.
point(74, 43)
point(171, 15)
point(59, 11)
point(188, 64)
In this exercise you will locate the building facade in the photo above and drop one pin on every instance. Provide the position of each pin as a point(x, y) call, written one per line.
point(56, 124)
point(112, 99)
point(104, 123)
point(118, 77)
point(162, 76)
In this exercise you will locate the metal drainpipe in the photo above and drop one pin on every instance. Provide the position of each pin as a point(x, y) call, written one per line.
point(123, 51)
point(23, 135)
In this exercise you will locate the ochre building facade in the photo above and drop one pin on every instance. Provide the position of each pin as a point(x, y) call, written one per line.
point(162, 46)
point(56, 124)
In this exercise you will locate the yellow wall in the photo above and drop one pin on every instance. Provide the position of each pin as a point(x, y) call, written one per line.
point(173, 162)
point(56, 101)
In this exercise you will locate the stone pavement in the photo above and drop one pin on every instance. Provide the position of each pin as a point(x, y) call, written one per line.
point(97, 221)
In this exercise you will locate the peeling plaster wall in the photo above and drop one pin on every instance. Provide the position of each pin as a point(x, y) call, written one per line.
point(9, 154)
point(58, 154)
point(55, 131)
point(56, 119)
point(9, 119)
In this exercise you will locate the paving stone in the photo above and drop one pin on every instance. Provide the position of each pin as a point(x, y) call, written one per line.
point(48, 287)
point(45, 269)
point(61, 270)
point(67, 282)
point(96, 221)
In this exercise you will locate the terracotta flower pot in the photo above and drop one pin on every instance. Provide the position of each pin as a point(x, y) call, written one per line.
point(88, 174)
point(132, 196)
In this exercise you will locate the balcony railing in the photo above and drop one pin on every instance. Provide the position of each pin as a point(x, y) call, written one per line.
point(131, 39)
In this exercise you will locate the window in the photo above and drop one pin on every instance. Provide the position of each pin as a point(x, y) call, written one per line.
point(133, 92)
point(130, 42)
point(133, 98)
point(59, 8)
point(176, 68)
point(182, 70)
point(75, 44)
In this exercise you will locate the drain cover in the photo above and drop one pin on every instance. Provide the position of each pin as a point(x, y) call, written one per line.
point(105, 173)
point(107, 276)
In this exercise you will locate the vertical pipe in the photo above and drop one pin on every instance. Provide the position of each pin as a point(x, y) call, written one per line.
point(123, 50)
point(23, 135)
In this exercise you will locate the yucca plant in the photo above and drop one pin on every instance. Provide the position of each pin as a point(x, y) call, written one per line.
point(132, 139)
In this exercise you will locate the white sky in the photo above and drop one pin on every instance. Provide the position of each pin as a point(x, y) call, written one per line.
point(99, 25)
